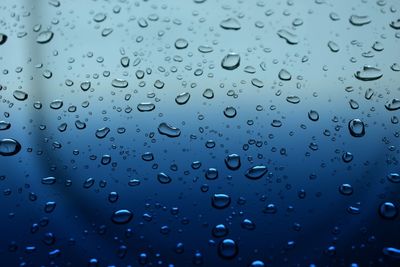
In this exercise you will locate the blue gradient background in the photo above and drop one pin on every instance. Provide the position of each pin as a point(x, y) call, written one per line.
point(80, 212)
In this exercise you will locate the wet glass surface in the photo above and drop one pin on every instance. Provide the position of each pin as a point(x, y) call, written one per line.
point(199, 133)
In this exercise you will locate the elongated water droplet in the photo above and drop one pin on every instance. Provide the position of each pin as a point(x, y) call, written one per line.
point(368, 73)
point(119, 83)
point(289, 37)
point(20, 95)
point(182, 98)
point(146, 107)
point(102, 132)
point(359, 20)
point(9, 147)
point(121, 216)
point(220, 201)
point(230, 24)
point(256, 172)
point(168, 130)
point(44, 37)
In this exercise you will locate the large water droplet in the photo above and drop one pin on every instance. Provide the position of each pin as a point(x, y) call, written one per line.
point(44, 37)
point(220, 201)
point(181, 43)
point(388, 210)
point(3, 38)
point(20, 95)
point(256, 172)
point(393, 104)
point(289, 37)
point(9, 147)
point(163, 178)
point(368, 73)
point(359, 20)
point(230, 112)
point(232, 161)
point(102, 132)
point(227, 249)
point(356, 128)
point(284, 75)
point(182, 98)
point(231, 61)
point(121, 216)
point(230, 24)
point(168, 130)
point(146, 107)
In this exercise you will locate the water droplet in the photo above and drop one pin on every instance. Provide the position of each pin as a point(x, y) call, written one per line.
point(390, 251)
point(368, 73)
point(353, 104)
point(284, 75)
point(346, 189)
point(220, 230)
point(44, 37)
point(334, 47)
point(393, 104)
point(121, 216)
point(395, 24)
point(359, 20)
point(230, 24)
point(20, 95)
point(181, 43)
point(257, 83)
point(168, 130)
point(4, 125)
point(289, 37)
point(313, 115)
point(56, 104)
point(232, 161)
point(163, 178)
point(220, 201)
point(356, 128)
point(119, 83)
point(9, 147)
point(231, 61)
point(99, 17)
point(102, 132)
point(394, 177)
point(388, 210)
point(205, 49)
point(3, 38)
point(227, 249)
point(230, 112)
point(146, 106)
point(256, 172)
point(208, 93)
point(293, 99)
point(182, 98)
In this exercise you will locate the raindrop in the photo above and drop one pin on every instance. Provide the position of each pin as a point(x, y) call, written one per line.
point(230, 112)
point(356, 128)
point(182, 98)
point(368, 73)
point(9, 147)
point(231, 61)
point(168, 130)
point(121, 216)
point(393, 104)
point(289, 37)
point(256, 172)
point(44, 37)
point(220, 201)
point(227, 249)
point(230, 24)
